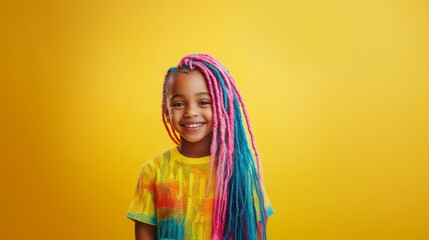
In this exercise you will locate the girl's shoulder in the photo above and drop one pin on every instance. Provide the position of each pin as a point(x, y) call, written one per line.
point(158, 161)
point(152, 167)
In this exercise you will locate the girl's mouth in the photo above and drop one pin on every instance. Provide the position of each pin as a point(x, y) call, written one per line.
point(193, 126)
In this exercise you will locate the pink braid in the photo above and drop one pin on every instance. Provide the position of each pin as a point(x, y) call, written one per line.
point(210, 60)
point(222, 178)
point(175, 140)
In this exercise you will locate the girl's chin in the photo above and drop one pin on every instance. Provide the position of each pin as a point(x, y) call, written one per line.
point(196, 140)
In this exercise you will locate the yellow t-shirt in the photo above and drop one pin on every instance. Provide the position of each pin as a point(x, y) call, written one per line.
point(171, 194)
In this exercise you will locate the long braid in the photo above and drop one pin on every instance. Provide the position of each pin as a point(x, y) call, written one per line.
point(223, 174)
point(238, 181)
point(171, 133)
point(218, 65)
point(225, 166)
point(226, 75)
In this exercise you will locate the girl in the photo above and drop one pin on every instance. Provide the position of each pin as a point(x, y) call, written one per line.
point(209, 186)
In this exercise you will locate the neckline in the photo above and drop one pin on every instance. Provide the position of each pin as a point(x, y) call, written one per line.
point(188, 160)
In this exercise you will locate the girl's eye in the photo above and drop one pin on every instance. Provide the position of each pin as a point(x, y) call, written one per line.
point(177, 104)
point(204, 102)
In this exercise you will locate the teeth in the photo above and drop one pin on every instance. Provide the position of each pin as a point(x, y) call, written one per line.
point(193, 125)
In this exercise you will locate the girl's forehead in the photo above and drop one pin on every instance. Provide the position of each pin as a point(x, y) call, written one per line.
point(188, 82)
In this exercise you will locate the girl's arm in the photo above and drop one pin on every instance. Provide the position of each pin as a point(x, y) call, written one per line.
point(260, 231)
point(145, 231)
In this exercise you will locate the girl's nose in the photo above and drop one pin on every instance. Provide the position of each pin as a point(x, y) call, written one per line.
point(191, 111)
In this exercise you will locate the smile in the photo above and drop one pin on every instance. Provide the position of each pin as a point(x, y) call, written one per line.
point(193, 126)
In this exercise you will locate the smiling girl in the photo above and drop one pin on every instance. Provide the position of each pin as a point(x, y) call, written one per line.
point(209, 186)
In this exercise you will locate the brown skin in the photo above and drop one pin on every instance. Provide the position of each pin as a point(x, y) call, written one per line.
point(195, 150)
point(144, 231)
point(187, 102)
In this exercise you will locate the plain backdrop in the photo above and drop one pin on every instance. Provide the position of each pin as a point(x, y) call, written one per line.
point(337, 92)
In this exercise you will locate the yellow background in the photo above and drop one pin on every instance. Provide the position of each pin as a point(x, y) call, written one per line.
point(337, 92)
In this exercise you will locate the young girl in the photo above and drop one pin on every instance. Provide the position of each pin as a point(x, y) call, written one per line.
point(209, 186)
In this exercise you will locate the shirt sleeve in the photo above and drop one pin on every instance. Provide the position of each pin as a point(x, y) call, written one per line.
point(267, 205)
point(142, 207)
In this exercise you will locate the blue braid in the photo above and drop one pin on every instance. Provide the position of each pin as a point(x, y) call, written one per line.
point(241, 202)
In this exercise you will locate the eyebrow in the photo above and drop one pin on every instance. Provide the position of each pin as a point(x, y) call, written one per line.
point(182, 95)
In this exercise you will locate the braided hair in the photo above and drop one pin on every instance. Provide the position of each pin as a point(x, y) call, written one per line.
point(239, 203)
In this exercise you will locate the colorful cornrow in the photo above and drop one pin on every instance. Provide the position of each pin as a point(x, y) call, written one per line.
point(238, 179)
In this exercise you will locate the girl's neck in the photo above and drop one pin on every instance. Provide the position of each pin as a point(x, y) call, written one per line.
point(195, 149)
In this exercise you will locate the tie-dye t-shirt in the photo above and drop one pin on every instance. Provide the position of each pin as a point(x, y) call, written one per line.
point(171, 194)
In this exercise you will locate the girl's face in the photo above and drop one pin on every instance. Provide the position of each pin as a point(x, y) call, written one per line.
point(188, 106)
